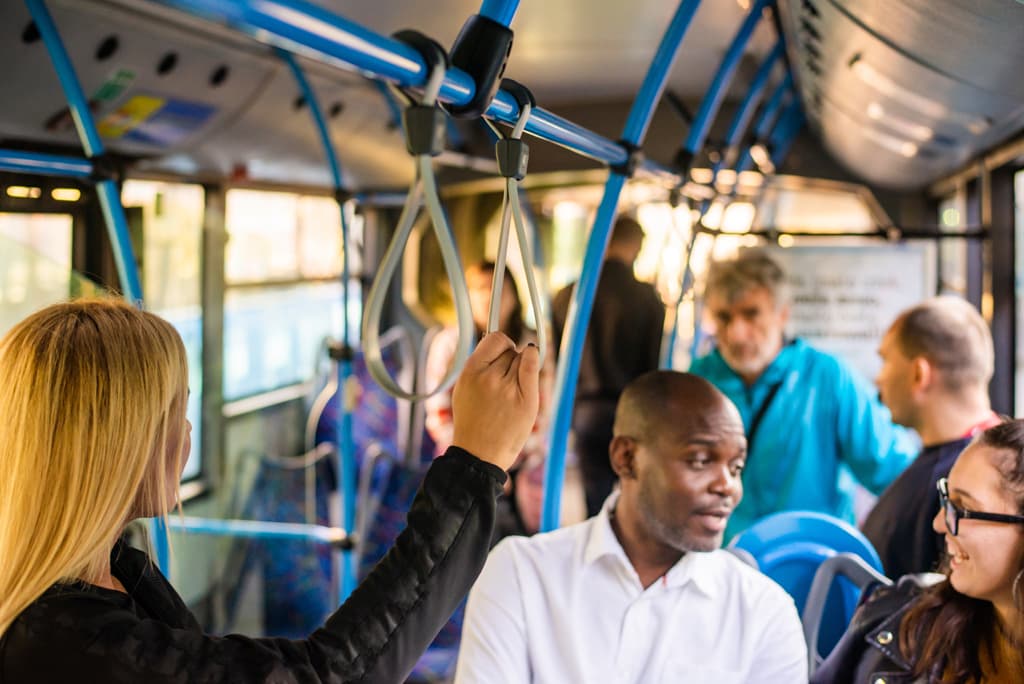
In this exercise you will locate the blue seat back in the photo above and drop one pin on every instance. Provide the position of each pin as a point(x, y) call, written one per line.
point(789, 547)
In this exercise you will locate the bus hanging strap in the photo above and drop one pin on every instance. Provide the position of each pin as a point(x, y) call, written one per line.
point(424, 125)
point(513, 156)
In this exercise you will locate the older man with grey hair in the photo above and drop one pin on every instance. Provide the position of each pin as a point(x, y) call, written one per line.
point(813, 425)
point(937, 360)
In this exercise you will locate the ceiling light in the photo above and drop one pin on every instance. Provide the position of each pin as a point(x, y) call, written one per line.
point(738, 217)
point(930, 108)
point(899, 124)
point(66, 194)
point(759, 153)
point(890, 142)
point(24, 192)
point(702, 176)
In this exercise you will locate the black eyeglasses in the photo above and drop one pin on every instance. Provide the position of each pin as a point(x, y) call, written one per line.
point(954, 514)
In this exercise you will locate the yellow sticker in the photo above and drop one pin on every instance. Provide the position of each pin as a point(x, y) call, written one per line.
point(130, 115)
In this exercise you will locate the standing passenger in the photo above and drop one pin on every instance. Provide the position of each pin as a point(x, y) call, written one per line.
point(641, 592)
point(94, 435)
point(937, 361)
point(622, 343)
point(809, 419)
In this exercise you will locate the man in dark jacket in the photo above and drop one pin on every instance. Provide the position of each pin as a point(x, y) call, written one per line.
point(622, 343)
point(937, 360)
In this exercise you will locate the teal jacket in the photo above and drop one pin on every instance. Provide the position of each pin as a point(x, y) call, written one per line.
point(823, 428)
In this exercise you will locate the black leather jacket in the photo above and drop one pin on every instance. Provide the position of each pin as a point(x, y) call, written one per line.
point(869, 651)
point(84, 633)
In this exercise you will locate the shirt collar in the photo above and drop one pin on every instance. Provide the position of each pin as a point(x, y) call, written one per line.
point(694, 566)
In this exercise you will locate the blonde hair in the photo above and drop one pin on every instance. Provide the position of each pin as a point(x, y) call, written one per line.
point(93, 402)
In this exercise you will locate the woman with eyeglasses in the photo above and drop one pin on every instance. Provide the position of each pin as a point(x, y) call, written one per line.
point(969, 627)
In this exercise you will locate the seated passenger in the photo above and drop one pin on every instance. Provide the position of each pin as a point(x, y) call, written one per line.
point(937, 360)
point(94, 435)
point(641, 592)
point(970, 626)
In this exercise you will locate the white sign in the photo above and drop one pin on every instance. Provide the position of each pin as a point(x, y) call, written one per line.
point(845, 298)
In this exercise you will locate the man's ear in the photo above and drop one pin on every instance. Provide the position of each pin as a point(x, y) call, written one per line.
point(622, 452)
point(784, 311)
point(923, 375)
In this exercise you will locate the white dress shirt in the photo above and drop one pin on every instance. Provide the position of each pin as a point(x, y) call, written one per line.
point(567, 607)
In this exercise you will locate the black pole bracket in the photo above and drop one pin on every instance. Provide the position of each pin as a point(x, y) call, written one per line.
point(634, 157)
point(481, 50)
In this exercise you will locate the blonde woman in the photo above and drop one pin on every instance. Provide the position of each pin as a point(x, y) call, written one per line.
point(94, 435)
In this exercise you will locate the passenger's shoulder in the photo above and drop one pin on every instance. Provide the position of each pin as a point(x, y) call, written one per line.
point(545, 548)
point(746, 579)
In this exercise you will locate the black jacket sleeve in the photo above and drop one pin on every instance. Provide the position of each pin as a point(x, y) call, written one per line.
point(869, 649)
point(375, 636)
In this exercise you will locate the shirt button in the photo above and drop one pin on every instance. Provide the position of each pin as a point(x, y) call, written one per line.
point(880, 680)
point(884, 638)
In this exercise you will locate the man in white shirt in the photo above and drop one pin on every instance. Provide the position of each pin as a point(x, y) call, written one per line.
point(641, 592)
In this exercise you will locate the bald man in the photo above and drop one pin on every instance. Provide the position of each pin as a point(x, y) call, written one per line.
point(641, 592)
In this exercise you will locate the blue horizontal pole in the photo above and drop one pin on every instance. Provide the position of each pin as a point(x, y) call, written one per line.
point(719, 87)
point(500, 11)
point(302, 27)
point(45, 164)
point(252, 529)
point(581, 303)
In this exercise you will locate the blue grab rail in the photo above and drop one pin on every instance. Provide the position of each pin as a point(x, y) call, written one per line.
point(107, 192)
point(501, 11)
point(110, 201)
point(716, 92)
point(46, 164)
point(302, 27)
point(582, 301)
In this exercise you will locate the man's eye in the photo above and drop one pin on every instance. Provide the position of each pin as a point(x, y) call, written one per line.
point(699, 461)
point(737, 469)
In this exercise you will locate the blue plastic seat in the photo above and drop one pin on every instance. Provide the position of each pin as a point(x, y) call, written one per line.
point(790, 546)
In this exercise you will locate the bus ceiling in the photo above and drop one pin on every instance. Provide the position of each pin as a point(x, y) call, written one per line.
point(901, 93)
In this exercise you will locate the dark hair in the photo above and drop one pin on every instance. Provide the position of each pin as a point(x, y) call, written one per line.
point(945, 633)
point(517, 328)
point(627, 229)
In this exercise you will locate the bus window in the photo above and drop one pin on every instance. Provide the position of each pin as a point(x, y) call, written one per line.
point(169, 254)
point(35, 265)
point(283, 293)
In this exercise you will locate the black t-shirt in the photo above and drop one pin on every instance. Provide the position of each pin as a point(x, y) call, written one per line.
point(624, 335)
point(900, 525)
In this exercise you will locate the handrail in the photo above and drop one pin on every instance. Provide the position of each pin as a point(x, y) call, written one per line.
point(106, 189)
point(582, 300)
point(737, 128)
point(45, 164)
point(109, 198)
point(719, 87)
point(423, 142)
point(345, 453)
point(300, 26)
point(335, 537)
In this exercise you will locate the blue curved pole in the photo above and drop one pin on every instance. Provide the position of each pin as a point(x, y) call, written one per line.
point(741, 120)
point(500, 11)
point(716, 93)
point(738, 126)
point(768, 118)
point(582, 301)
point(107, 190)
point(345, 442)
point(109, 198)
point(785, 133)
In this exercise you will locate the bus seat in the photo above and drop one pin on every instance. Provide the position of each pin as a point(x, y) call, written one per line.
point(849, 566)
point(791, 545)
